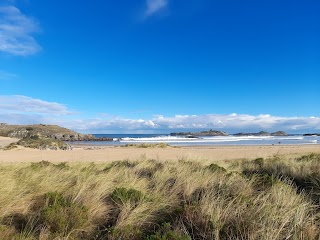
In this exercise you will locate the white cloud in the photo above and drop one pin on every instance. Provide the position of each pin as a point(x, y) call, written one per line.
point(26, 110)
point(227, 122)
point(16, 32)
point(22, 105)
point(154, 6)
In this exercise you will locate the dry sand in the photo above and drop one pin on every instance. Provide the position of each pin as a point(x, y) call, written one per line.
point(104, 154)
point(4, 141)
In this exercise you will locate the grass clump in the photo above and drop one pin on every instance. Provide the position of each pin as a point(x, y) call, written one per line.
point(51, 214)
point(123, 195)
point(259, 162)
point(42, 143)
point(120, 164)
point(127, 232)
point(44, 164)
point(60, 215)
point(303, 172)
point(216, 168)
point(166, 232)
point(309, 158)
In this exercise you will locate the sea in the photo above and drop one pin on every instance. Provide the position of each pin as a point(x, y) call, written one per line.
point(123, 139)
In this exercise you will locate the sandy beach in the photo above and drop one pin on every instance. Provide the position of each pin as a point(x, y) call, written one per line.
point(111, 153)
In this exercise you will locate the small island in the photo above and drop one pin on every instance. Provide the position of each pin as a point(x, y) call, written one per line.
point(214, 133)
point(262, 134)
point(209, 133)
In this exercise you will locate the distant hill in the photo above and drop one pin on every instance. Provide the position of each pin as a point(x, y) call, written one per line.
point(44, 131)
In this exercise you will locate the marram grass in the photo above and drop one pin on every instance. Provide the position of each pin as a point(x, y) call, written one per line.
point(161, 200)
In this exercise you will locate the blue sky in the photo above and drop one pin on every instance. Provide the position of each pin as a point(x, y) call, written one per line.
point(161, 65)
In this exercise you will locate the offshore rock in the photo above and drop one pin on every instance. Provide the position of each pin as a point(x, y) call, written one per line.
point(260, 134)
point(279, 134)
point(201, 134)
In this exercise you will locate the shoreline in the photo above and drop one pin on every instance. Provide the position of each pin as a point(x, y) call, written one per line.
point(86, 145)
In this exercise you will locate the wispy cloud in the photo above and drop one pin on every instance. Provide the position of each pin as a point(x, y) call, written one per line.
point(227, 122)
point(16, 32)
point(4, 75)
point(154, 6)
point(238, 122)
point(23, 105)
point(27, 110)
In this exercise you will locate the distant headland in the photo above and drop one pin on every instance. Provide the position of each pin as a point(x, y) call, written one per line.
point(46, 131)
point(42, 136)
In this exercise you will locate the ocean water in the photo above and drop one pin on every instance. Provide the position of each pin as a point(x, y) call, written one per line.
point(122, 139)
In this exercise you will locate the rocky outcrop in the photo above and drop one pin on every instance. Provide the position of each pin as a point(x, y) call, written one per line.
point(279, 134)
point(262, 133)
point(46, 131)
point(73, 137)
point(311, 134)
point(18, 134)
point(43, 143)
point(200, 134)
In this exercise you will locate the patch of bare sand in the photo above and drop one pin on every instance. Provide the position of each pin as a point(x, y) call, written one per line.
point(5, 141)
point(105, 154)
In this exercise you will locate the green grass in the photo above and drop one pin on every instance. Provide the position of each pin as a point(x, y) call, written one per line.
point(274, 198)
point(60, 215)
point(123, 195)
